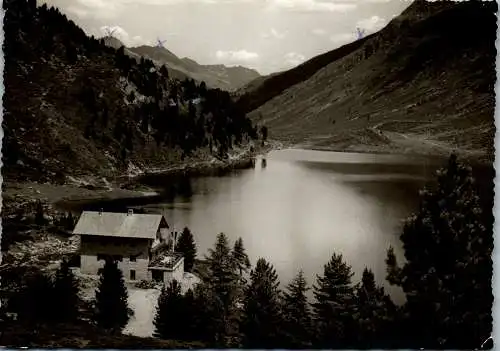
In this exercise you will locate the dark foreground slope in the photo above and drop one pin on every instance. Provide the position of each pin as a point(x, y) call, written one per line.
point(82, 336)
point(76, 107)
point(423, 84)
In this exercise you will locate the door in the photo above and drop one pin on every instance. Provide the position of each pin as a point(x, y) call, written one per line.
point(157, 275)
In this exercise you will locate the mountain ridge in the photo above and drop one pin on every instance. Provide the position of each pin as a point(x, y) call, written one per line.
point(76, 107)
point(229, 78)
point(424, 84)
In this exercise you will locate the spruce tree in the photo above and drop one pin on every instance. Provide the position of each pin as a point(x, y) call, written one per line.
point(69, 222)
point(222, 285)
point(191, 317)
point(111, 298)
point(66, 294)
point(37, 302)
point(169, 312)
point(375, 314)
point(263, 131)
point(202, 312)
point(164, 72)
point(262, 320)
point(448, 270)
point(240, 256)
point(297, 314)
point(187, 247)
point(334, 307)
point(39, 214)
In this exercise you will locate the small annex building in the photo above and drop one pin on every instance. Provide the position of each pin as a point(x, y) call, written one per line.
point(129, 238)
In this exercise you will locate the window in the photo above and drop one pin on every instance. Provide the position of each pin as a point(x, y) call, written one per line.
point(132, 274)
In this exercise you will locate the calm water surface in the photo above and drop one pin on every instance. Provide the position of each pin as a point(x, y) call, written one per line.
point(297, 207)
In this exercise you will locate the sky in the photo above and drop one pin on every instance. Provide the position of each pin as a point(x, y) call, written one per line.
point(267, 35)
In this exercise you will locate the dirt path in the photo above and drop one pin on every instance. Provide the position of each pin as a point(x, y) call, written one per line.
point(143, 302)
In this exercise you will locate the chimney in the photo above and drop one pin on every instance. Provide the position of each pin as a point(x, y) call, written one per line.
point(130, 212)
point(174, 237)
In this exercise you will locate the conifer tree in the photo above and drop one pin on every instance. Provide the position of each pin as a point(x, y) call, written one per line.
point(37, 301)
point(222, 285)
point(169, 312)
point(111, 298)
point(39, 214)
point(375, 314)
point(66, 294)
point(297, 314)
point(203, 89)
point(334, 307)
point(262, 320)
point(164, 71)
point(187, 247)
point(202, 311)
point(240, 256)
point(448, 270)
point(191, 317)
point(69, 222)
point(263, 130)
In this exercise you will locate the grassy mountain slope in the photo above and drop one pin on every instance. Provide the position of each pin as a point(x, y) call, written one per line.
point(264, 88)
point(215, 76)
point(74, 106)
point(423, 84)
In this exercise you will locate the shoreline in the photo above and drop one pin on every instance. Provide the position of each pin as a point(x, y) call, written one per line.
point(242, 160)
point(16, 194)
point(144, 184)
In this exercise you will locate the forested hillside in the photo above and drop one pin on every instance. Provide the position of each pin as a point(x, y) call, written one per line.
point(215, 76)
point(74, 106)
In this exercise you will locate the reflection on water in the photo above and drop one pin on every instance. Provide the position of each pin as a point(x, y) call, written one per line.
point(295, 208)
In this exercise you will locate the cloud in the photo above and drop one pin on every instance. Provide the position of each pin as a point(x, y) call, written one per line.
point(372, 24)
point(318, 31)
point(379, 1)
point(78, 11)
point(122, 35)
point(294, 59)
point(103, 9)
point(273, 33)
point(108, 9)
point(234, 57)
point(342, 38)
point(311, 5)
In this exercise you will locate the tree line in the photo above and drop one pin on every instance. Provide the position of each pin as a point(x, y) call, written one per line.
point(182, 115)
point(446, 278)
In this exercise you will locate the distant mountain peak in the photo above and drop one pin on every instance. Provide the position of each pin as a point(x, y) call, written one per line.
point(112, 42)
point(215, 76)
